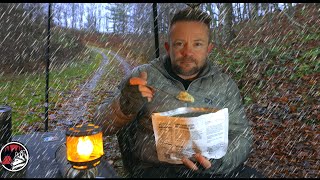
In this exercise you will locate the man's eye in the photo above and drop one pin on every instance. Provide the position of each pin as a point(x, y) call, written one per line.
point(178, 44)
point(198, 44)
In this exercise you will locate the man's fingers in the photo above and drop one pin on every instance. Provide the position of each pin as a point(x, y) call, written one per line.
point(141, 80)
point(143, 75)
point(137, 81)
point(146, 89)
point(146, 92)
point(203, 161)
point(187, 162)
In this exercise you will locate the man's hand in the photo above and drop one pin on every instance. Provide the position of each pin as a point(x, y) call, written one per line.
point(199, 158)
point(135, 94)
point(141, 81)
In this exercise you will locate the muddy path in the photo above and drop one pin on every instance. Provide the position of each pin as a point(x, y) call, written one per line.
point(75, 109)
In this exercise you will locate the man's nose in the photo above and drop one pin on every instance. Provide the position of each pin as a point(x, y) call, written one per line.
point(187, 50)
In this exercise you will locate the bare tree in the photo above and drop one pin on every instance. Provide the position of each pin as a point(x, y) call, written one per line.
point(35, 11)
point(164, 16)
point(107, 20)
point(266, 10)
point(142, 14)
point(81, 13)
point(228, 28)
point(211, 9)
point(119, 16)
point(290, 18)
point(220, 31)
point(234, 12)
point(239, 16)
point(91, 20)
point(254, 10)
point(99, 18)
point(56, 11)
point(65, 15)
point(290, 9)
point(73, 15)
point(244, 10)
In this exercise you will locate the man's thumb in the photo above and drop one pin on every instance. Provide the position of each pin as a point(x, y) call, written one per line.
point(143, 75)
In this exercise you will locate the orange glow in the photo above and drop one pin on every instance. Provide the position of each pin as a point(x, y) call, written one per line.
point(85, 148)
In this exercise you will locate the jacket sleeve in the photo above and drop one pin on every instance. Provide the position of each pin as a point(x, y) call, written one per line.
point(240, 135)
point(109, 115)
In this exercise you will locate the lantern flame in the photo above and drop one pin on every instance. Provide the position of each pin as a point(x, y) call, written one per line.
point(84, 147)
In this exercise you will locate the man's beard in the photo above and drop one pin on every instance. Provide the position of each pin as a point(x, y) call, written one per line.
point(181, 71)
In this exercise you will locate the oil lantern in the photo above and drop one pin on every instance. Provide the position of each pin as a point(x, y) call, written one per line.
point(84, 146)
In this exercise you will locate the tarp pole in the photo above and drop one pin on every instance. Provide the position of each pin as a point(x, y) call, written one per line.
point(47, 69)
point(155, 24)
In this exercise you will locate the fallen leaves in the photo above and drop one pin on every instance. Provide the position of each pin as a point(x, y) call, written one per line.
point(290, 149)
point(293, 109)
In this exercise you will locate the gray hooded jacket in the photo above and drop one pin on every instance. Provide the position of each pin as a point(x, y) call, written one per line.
point(212, 89)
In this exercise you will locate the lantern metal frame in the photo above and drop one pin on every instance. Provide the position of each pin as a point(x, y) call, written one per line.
point(86, 130)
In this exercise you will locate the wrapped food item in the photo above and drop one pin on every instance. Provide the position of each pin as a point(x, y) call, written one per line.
point(185, 96)
point(184, 131)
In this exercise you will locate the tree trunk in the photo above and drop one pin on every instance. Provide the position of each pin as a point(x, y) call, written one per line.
point(254, 10)
point(56, 12)
point(303, 27)
point(249, 10)
point(81, 15)
point(244, 10)
point(233, 17)
point(220, 31)
point(228, 23)
point(290, 10)
point(65, 13)
point(73, 11)
point(99, 19)
point(209, 9)
point(266, 11)
point(107, 26)
point(239, 12)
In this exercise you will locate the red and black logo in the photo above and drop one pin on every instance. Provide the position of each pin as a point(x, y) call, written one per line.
point(14, 156)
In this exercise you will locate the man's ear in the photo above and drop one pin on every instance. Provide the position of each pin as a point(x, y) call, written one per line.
point(167, 47)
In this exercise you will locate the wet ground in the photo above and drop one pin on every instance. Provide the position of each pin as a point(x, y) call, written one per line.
point(75, 110)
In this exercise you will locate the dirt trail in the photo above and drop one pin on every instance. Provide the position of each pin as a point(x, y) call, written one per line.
point(75, 109)
point(127, 67)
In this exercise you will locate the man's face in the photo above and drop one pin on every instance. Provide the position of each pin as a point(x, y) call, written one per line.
point(188, 48)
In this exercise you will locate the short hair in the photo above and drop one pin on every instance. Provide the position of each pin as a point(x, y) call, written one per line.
point(190, 14)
